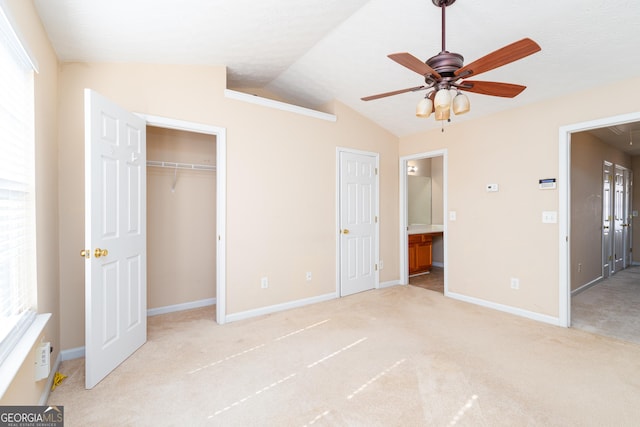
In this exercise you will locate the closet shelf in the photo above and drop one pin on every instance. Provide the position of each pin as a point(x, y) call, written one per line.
point(174, 165)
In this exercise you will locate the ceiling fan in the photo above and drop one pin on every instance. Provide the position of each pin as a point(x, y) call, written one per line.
point(445, 72)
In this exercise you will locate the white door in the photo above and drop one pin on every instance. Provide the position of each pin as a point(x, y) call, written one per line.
point(358, 201)
point(619, 223)
point(115, 236)
point(628, 230)
point(607, 220)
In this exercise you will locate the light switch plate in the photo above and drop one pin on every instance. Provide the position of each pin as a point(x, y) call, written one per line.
point(549, 217)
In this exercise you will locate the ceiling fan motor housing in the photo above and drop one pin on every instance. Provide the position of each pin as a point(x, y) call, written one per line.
point(440, 3)
point(446, 64)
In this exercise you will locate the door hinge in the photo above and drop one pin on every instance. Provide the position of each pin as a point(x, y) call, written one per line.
point(375, 266)
point(376, 219)
point(376, 169)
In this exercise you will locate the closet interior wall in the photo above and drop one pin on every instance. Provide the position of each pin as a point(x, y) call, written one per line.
point(181, 218)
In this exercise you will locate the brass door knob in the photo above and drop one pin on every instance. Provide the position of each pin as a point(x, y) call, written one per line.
point(100, 252)
point(85, 253)
point(345, 231)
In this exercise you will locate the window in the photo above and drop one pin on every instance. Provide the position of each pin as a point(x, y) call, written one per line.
point(17, 196)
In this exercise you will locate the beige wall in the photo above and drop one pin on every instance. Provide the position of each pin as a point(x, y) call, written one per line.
point(281, 181)
point(500, 235)
point(24, 390)
point(587, 157)
point(181, 219)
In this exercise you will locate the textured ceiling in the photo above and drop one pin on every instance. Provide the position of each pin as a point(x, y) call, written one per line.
point(312, 51)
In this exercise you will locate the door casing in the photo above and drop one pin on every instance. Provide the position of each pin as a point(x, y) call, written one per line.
point(404, 243)
point(221, 197)
point(564, 205)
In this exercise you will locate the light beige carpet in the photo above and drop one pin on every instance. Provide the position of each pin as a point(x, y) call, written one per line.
point(402, 356)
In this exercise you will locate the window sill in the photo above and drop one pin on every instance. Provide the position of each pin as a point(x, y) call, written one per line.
point(21, 351)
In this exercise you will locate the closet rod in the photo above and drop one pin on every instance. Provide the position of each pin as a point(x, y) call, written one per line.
point(174, 165)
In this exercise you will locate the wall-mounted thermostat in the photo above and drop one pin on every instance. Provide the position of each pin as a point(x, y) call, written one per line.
point(547, 184)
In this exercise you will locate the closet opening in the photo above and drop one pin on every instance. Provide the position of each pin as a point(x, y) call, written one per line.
point(181, 220)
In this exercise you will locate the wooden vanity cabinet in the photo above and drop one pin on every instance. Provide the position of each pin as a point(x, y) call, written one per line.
point(419, 253)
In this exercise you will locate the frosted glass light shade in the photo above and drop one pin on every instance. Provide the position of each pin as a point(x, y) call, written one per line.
point(443, 114)
point(442, 100)
point(424, 108)
point(461, 104)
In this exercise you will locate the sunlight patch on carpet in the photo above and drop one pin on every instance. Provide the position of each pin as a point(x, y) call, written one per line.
point(243, 400)
point(376, 378)
point(301, 330)
point(316, 419)
point(233, 356)
point(335, 353)
point(464, 409)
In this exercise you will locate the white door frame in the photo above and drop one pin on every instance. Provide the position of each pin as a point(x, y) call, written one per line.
point(338, 217)
point(564, 211)
point(404, 244)
point(221, 198)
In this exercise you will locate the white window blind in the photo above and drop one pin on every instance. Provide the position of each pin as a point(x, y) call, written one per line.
point(17, 196)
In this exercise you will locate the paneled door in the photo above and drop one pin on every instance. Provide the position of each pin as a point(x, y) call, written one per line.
point(628, 215)
point(620, 220)
point(607, 220)
point(358, 228)
point(115, 236)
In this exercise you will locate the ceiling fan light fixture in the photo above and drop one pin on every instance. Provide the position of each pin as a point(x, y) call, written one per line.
point(461, 104)
point(442, 101)
point(424, 107)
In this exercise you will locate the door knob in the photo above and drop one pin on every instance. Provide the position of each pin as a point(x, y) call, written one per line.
point(345, 231)
point(85, 253)
point(100, 252)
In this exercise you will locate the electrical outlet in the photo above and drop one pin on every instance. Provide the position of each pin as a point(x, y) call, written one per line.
point(515, 283)
point(579, 267)
point(381, 264)
point(308, 276)
point(264, 282)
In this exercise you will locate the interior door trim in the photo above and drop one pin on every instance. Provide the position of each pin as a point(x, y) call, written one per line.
point(221, 198)
point(564, 205)
point(404, 243)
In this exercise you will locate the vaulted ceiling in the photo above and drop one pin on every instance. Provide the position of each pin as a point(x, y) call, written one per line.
point(309, 52)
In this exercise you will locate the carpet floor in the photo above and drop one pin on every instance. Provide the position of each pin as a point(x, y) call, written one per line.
point(611, 307)
point(400, 356)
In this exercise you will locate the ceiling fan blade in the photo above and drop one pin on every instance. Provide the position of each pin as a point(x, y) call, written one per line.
point(505, 90)
point(414, 64)
point(395, 92)
point(500, 57)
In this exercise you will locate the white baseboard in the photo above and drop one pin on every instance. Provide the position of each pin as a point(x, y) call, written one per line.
point(508, 309)
point(72, 353)
point(78, 352)
point(389, 284)
point(279, 307)
point(438, 264)
point(47, 389)
point(180, 307)
point(586, 286)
